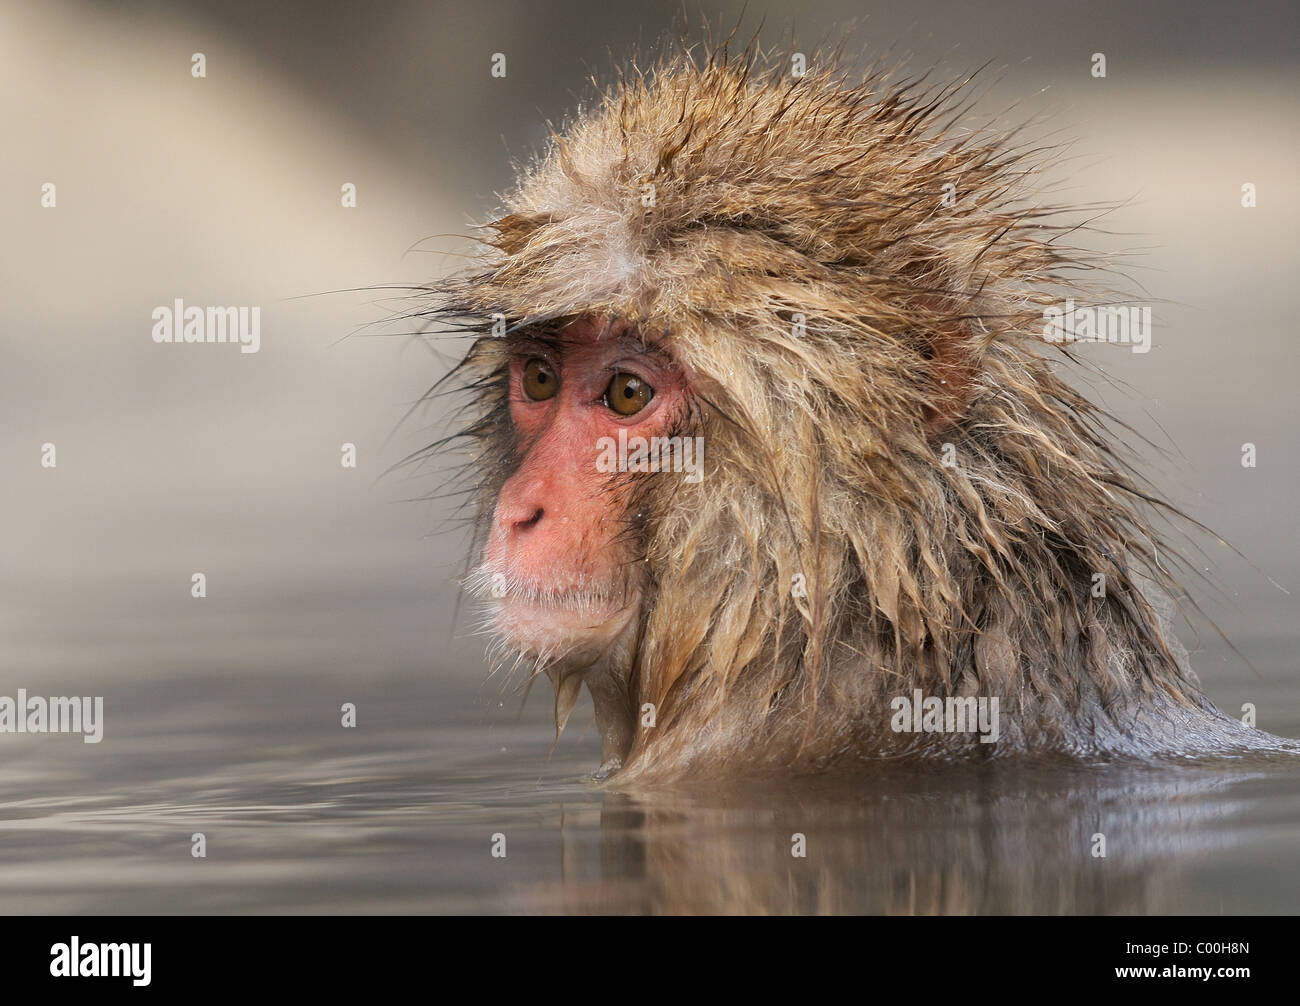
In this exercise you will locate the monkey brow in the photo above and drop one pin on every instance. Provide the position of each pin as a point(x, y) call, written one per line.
point(549, 334)
point(535, 337)
point(540, 331)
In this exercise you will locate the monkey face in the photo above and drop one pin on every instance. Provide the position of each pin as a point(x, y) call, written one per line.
point(561, 559)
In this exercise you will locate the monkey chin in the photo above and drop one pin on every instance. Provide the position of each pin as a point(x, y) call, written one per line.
point(577, 642)
point(576, 630)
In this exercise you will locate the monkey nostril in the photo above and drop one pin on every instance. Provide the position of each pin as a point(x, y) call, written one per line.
point(531, 521)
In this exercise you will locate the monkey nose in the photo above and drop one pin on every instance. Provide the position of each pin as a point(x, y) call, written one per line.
point(516, 519)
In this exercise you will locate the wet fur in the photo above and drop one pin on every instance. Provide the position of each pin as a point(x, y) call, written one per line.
point(823, 196)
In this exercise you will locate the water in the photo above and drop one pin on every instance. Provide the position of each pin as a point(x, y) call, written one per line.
point(399, 816)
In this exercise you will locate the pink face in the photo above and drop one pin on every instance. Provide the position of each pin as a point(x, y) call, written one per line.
point(554, 559)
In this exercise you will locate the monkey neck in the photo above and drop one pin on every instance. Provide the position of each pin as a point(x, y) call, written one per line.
point(607, 677)
point(615, 715)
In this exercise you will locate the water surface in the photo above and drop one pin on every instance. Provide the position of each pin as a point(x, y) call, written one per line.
point(399, 816)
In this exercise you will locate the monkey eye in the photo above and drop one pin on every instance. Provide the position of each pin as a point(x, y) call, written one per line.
point(627, 394)
point(540, 382)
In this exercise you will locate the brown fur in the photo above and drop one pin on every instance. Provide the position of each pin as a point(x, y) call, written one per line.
point(823, 197)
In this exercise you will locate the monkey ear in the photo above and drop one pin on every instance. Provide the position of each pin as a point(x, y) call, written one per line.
point(952, 365)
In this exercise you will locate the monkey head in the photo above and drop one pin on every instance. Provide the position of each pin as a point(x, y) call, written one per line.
point(898, 491)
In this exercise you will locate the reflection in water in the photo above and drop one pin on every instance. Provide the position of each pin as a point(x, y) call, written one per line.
point(1008, 838)
point(399, 815)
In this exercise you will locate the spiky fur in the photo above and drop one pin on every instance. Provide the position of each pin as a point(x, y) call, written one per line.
point(823, 197)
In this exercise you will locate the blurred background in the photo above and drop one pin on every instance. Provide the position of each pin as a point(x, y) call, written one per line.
point(327, 584)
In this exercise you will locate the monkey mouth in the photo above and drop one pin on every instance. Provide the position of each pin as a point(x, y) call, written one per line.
point(553, 620)
point(559, 626)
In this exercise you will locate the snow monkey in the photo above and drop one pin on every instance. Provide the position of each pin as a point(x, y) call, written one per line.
point(771, 449)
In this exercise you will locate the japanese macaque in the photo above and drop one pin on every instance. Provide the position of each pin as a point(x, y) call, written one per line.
point(774, 456)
